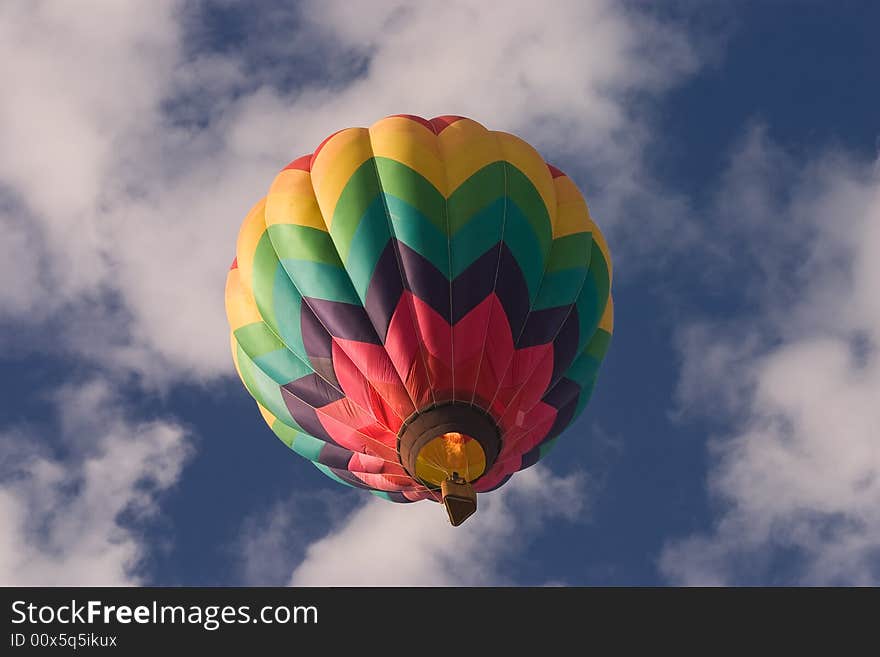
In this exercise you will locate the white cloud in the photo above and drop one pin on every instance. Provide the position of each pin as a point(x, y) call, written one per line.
point(132, 208)
point(273, 541)
point(70, 516)
point(797, 480)
point(382, 544)
point(558, 71)
point(79, 78)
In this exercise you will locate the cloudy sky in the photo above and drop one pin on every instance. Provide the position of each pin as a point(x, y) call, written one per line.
point(729, 151)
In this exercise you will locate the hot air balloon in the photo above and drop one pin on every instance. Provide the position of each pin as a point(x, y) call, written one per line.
point(420, 308)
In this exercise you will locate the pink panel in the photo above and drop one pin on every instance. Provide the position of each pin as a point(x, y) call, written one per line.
point(406, 353)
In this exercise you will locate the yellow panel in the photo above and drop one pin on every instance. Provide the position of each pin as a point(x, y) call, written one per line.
point(234, 344)
point(573, 216)
point(241, 309)
point(252, 230)
point(599, 240)
point(291, 200)
point(466, 147)
point(448, 453)
point(267, 415)
point(525, 158)
point(607, 321)
point(412, 144)
point(338, 159)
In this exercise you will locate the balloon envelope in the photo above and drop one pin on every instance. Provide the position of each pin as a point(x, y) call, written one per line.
point(419, 301)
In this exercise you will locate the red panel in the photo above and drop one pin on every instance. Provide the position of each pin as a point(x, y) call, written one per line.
point(351, 380)
point(436, 338)
point(416, 496)
point(373, 362)
point(554, 171)
point(490, 479)
point(528, 431)
point(303, 163)
point(374, 465)
point(385, 482)
point(407, 354)
point(497, 353)
point(468, 338)
point(525, 381)
point(440, 123)
point(417, 119)
point(320, 146)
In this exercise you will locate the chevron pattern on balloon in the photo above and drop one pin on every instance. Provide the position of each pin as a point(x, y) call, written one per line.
point(411, 264)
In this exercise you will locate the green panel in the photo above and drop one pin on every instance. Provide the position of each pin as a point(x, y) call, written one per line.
point(545, 448)
point(370, 239)
point(585, 371)
point(321, 281)
point(585, 367)
point(303, 444)
point(474, 194)
point(587, 308)
point(264, 389)
point(327, 471)
point(285, 433)
point(357, 196)
point(598, 345)
point(421, 235)
point(409, 186)
point(276, 297)
point(479, 235)
point(526, 249)
point(287, 308)
point(593, 297)
point(263, 279)
point(570, 252)
point(257, 339)
point(583, 400)
point(500, 192)
point(307, 446)
point(482, 232)
point(560, 288)
point(360, 221)
point(292, 242)
point(282, 365)
point(522, 192)
point(270, 354)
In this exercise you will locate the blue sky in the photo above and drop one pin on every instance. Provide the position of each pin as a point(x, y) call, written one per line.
point(729, 152)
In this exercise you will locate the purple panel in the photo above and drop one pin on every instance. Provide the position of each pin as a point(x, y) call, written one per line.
point(343, 320)
point(383, 293)
point(314, 391)
point(542, 326)
point(565, 347)
point(424, 280)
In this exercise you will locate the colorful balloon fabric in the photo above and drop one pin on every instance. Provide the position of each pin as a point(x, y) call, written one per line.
point(426, 277)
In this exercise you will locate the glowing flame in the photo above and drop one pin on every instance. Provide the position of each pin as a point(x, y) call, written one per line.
point(455, 453)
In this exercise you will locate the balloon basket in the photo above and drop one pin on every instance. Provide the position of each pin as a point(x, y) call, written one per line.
point(459, 499)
